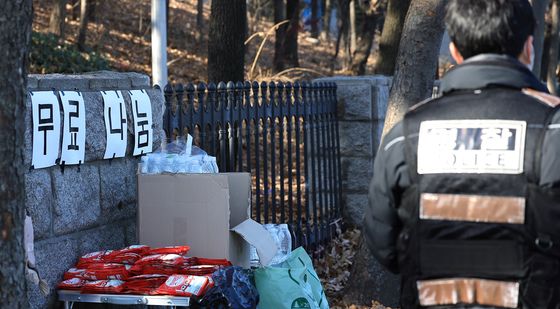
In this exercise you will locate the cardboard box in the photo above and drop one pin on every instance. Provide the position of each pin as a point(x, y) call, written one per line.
point(198, 210)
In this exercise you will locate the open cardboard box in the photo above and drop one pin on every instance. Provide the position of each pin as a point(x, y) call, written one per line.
point(201, 210)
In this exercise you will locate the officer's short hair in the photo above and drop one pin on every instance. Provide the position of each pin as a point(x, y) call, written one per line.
point(489, 26)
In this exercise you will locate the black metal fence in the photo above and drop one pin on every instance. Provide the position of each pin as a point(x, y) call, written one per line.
point(286, 135)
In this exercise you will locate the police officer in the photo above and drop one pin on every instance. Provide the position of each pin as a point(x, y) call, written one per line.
point(465, 199)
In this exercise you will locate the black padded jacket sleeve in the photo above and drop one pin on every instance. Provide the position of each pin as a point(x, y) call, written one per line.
point(390, 178)
point(550, 160)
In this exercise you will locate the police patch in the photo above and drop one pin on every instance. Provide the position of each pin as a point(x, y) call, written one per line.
point(471, 146)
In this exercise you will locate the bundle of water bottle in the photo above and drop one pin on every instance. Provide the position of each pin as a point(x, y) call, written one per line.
point(179, 156)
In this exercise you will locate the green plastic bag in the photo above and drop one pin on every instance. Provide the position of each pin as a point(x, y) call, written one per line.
point(292, 284)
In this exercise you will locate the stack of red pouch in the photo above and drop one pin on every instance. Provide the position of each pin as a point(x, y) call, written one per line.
point(219, 262)
point(73, 273)
point(183, 285)
point(144, 284)
point(106, 271)
point(103, 286)
point(180, 250)
point(200, 270)
point(90, 258)
point(143, 270)
point(166, 263)
point(71, 284)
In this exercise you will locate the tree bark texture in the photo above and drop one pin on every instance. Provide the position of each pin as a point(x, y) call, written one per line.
point(200, 15)
point(551, 78)
point(367, 24)
point(280, 35)
point(417, 58)
point(226, 48)
point(315, 18)
point(57, 19)
point(75, 11)
point(327, 9)
point(342, 23)
point(82, 30)
point(291, 36)
point(199, 20)
point(15, 31)
point(391, 36)
point(539, 10)
point(353, 36)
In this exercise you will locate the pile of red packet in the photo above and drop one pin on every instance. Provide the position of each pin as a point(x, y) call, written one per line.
point(144, 284)
point(184, 285)
point(143, 270)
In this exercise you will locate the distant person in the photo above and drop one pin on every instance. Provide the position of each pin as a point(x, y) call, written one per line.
point(465, 199)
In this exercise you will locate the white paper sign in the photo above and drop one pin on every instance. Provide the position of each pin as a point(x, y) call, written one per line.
point(115, 124)
point(142, 115)
point(471, 146)
point(46, 128)
point(74, 128)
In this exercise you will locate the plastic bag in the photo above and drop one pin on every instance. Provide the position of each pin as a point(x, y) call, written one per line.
point(161, 259)
point(91, 258)
point(71, 284)
point(73, 273)
point(291, 284)
point(103, 286)
point(107, 271)
point(280, 233)
point(179, 156)
point(233, 288)
point(183, 285)
point(170, 250)
point(138, 249)
point(144, 284)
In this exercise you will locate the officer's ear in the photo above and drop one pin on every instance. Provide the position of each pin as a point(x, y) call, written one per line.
point(455, 53)
point(526, 56)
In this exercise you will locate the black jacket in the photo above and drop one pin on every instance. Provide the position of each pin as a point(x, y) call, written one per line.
point(391, 177)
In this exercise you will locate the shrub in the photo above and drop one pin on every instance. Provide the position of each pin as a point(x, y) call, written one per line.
point(48, 55)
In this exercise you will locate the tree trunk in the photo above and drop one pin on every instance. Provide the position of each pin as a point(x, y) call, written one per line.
point(391, 36)
point(200, 15)
point(57, 20)
point(280, 35)
point(199, 20)
point(75, 11)
point(417, 58)
point(327, 9)
point(314, 18)
point(291, 38)
point(352, 21)
point(84, 19)
point(15, 31)
point(343, 17)
point(91, 10)
point(367, 28)
point(226, 48)
point(539, 10)
point(552, 79)
point(413, 81)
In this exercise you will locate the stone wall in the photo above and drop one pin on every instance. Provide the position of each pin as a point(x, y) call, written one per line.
point(362, 103)
point(92, 207)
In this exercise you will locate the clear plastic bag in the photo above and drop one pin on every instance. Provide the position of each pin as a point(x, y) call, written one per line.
point(283, 240)
point(179, 156)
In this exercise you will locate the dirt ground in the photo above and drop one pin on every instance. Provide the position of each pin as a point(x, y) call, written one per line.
point(121, 33)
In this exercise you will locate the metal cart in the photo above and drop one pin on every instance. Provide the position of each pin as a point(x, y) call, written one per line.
point(71, 297)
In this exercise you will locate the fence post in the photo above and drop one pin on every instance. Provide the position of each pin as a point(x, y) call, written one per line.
point(167, 116)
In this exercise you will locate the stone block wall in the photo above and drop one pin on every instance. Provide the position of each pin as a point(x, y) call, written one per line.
point(362, 104)
point(92, 207)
